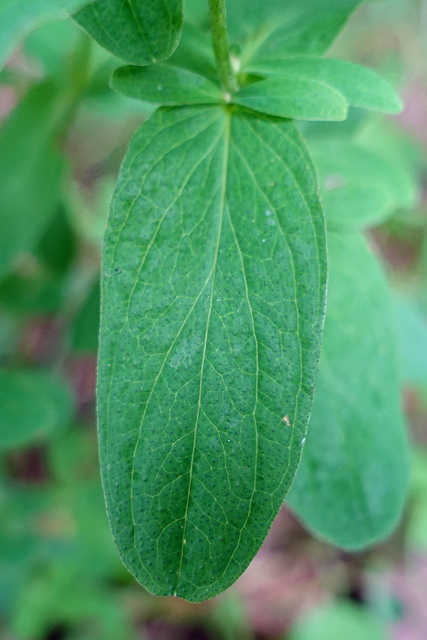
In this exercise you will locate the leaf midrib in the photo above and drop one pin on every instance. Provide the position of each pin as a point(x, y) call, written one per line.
point(212, 276)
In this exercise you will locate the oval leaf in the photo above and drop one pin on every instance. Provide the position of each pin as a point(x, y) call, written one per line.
point(168, 86)
point(361, 87)
point(291, 97)
point(212, 306)
point(137, 32)
point(351, 484)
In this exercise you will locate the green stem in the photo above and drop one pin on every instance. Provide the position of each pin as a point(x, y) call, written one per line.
point(220, 46)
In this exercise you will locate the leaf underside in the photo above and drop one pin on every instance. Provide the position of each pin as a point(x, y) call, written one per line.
point(165, 85)
point(212, 305)
point(351, 484)
point(137, 32)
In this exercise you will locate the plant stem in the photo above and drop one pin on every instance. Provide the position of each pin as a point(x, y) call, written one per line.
point(218, 20)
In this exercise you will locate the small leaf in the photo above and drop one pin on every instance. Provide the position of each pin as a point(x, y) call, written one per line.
point(32, 406)
point(168, 86)
point(212, 305)
point(137, 32)
point(31, 169)
point(291, 97)
point(361, 87)
point(351, 484)
point(19, 17)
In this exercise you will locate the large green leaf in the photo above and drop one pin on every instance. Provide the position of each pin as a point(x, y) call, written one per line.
point(139, 32)
point(169, 86)
point(31, 168)
point(361, 87)
point(212, 306)
point(292, 97)
point(19, 17)
point(33, 404)
point(351, 483)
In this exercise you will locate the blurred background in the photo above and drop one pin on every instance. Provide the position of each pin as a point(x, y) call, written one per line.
point(60, 576)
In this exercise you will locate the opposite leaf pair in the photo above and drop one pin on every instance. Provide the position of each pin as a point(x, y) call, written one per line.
point(305, 88)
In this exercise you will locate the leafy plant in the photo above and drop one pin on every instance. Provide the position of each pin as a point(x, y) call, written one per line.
point(214, 285)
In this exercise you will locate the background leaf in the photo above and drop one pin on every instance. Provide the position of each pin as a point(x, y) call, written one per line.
point(31, 168)
point(337, 620)
point(32, 406)
point(310, 32)
point(352, 480)
point(411, 324)
point(137, 32)
point(360, 187)
point(19, 17)
point(211, 317)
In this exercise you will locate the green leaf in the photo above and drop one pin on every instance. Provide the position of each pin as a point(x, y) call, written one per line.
point(338, 620)
point(195, 52)
point(310, 33)
point(411, 325)
point(31, 169)
point(361, 87)
point(32, 406)
point(169, 86)
point(292, 97)
point(359, 187)
point(19, 17)
point(212, 305)
point(52, 45)
point(35, 292)
point(137, 32)
point(351, 484)
point(85, 328)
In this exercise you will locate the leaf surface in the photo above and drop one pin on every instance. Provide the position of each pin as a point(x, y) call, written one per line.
point(292, 97)
point(31, 168)
point(32, 406)
point(137, 32)
point(361, 87)
point(168, 86)
point(212, 305)
point(351, 484)
point(19, 17)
